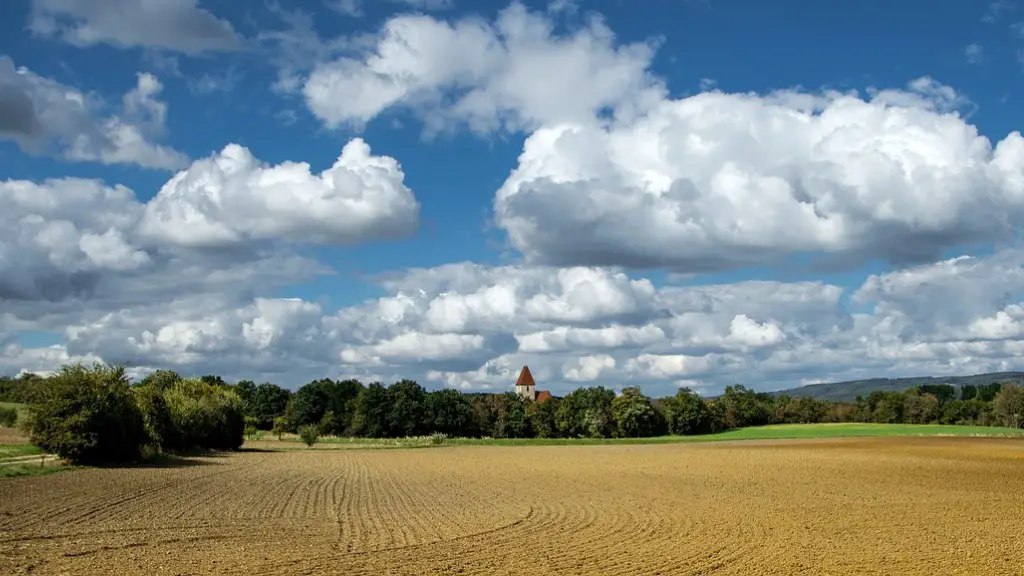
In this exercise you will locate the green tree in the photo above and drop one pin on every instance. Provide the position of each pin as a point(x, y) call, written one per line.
point(206, 415)
point(265, 402)
point(245, 391)
point(1008, 405)
point(744, 407)
point(343, 403)
point(586, 412)
point(542, 417)
point(633, 414)
point(687, 414)
point(281, 427)
point(250, 427)
point(942, 392)
point(448, 412)
point(920, 408)
point(328, 423)
point(160, 430)
point(511, 420)
point(310, 402)
point(372, 410)
point(161, 380)
point(888, 408)
point(310, 434)
point(87, 415)
point(214, 380)
point(407, 410)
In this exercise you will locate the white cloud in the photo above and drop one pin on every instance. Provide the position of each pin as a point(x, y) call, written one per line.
point(427, 4)
point(354, 8)
point(616, 173)
point(514, 74)
point(84, 259)
point(346, 7)
point(721, 180)
point(588, 368)
point(179, 25)
point(232, 198)
point(764, 334)
point(44, 116)
point(974, 53)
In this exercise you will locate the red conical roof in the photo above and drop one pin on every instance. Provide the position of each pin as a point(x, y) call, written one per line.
point(525, 378)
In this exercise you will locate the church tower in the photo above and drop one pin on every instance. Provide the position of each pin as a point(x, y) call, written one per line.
point(525, 386)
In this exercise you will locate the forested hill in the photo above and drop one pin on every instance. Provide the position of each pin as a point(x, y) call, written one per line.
point(848, 391)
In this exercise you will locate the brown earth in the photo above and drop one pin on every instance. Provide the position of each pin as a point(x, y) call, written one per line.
point(905, 506)
point(12, 436)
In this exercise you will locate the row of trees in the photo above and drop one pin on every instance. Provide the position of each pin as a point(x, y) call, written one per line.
point(169, 413)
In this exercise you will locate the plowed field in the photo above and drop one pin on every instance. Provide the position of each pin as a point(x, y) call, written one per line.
point(865, 506)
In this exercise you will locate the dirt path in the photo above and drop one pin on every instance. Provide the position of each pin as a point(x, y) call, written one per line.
point(869, 506)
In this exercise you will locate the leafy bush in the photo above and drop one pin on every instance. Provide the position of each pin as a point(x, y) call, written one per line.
point(160, 431)
point(309, 433)
point(438, 438)
point(87, 415)
point(205, 415)
point(281, 427)
point(8, 417)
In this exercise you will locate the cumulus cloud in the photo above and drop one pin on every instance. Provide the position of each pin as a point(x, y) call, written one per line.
point(615, 176)
point(765, 334)
point(86, 260)
point(717, 180)
point(178, 25)
point(232, 198)
point(616, 173)
point(516, 73)
point(44, 116)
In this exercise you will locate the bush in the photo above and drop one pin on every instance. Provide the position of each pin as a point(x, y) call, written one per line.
point(281, 427)
point(438, 438)
point(8, 417)
point(205, 416)
point(87, 415)
point(160, 431)
point(309, 433)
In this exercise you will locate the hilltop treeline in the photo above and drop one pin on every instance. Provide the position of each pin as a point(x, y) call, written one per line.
point(171, 413)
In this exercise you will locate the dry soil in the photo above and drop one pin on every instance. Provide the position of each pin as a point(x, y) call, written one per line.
point(856, 506)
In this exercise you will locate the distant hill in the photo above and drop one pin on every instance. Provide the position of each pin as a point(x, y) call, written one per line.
point(848, 391)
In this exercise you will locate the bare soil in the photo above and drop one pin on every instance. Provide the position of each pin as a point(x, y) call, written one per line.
point(900, 506)
point(12, 436)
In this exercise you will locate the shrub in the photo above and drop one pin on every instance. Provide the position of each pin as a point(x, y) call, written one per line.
point(438, 438)
point(309, 433)
point(160, 431)
point(206, 415)
point(87, 415)
point(280, 427)
point(8, 417)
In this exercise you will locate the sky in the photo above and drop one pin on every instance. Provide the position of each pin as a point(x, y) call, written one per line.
point(660, 194)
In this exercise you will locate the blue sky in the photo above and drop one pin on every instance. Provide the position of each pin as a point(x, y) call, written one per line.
point(694, 193)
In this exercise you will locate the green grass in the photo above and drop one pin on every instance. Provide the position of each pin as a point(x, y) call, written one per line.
point(777, 432)
point(31, 469)
point(15, 450)
point(21, 408)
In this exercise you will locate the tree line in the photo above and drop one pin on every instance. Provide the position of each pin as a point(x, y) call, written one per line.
point(95, 413)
